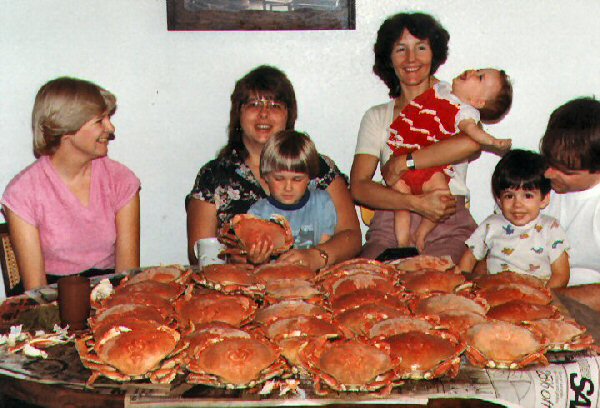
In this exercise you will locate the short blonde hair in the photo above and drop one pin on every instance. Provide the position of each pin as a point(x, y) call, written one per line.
point(289, 150)
point(62, 106)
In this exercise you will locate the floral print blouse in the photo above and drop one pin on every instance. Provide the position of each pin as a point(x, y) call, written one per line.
point(230, 185)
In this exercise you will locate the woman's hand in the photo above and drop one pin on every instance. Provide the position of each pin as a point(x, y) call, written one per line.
point(260, 252)
point(436, 205)
point(305, 257)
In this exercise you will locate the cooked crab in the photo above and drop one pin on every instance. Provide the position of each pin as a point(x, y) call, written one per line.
point(360, 320)
point(425, 354)
point(165, 274)
point(294, 332)
point(290, 308)
point(289, 289)
point(137, 298)
point(357, 265)
point(459, 321)
point(432, 281)
point(435, 304)
point(134, 349)
point(348, 365)
point(518, 311)
point(276, 271)
point(168, 291)
point(230, 278)
point(205, 307)
point(564, 334)
point(515, 291)
point(498, 344)
point(232, 360)
point(125, 311)
point(338, 285)
point(244, 230)
point(421, 262)
point(366, 296)
point(398, 325)
point(504, 277)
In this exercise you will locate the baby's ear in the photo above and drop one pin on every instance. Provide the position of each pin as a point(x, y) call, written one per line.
point(477, 103)
point(545, 201)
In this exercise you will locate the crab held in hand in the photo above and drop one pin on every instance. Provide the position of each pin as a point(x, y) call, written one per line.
point(245, 230)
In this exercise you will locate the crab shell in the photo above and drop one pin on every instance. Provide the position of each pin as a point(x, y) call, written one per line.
point(421, 262)
point(357, 265)
point(138, 298)
point(244, 230)
point(168, 291)
point(435, 304)
point(518, 311)
point(164, 274)
point(504, 277)
point(399, 325)
point(234, 361)
point(459, 321)
point(348, 365)
point(133, 350)
point(290, 289)
point(515, 291)
point(366, 296)
point(275, 271)
point(122, 312)
point(200, 308)
point(338, 285)
point(361, 319)
point(293, 333)
point(564, 334)
point(290, 308)
point(498, 344)
point(425, 354)
point(230, 279)
point(432, 281)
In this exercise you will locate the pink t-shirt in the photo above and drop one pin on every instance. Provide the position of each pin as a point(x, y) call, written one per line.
point(73, 237)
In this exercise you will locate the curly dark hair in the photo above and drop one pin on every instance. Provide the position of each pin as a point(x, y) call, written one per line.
point(497, 107)
point(520, 169)
point(572, 138)
point(422, 26)
point(262, 80)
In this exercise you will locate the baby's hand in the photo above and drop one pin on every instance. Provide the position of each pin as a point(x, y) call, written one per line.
point(502, 144)
point(260, 252)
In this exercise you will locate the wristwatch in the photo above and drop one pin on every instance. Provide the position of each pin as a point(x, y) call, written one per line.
point(410, 162)
point(324, 255)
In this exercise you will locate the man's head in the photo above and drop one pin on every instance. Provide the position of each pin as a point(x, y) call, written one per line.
point(571, 146)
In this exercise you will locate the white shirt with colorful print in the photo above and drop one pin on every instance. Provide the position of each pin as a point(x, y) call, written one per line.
point(529, 249)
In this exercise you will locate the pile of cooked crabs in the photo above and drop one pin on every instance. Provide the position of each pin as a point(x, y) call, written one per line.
point(360, 325)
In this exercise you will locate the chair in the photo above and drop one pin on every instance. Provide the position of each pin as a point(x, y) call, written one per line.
point(8, 263)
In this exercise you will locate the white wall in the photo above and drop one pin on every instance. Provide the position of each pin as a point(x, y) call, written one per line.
point(173, 87)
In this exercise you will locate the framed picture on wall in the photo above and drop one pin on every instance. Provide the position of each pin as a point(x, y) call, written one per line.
point(224, 15)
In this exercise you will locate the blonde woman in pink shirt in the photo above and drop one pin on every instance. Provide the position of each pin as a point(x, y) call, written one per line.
point(73, 209)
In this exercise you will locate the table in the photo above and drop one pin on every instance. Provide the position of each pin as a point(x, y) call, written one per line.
point(41, 392)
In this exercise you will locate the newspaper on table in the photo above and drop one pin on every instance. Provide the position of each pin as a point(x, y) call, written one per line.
point(573, 380)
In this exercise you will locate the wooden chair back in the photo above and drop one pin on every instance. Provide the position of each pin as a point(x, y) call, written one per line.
point(8, 264)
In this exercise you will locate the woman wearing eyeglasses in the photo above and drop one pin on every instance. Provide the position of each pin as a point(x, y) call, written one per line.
point(263, 102)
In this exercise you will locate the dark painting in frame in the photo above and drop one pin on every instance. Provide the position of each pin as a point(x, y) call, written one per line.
point(228, 15)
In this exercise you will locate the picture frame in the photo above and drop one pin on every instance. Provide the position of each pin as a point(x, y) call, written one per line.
point(248, 15)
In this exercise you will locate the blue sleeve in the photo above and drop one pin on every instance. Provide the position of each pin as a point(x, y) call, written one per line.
point(327, 213)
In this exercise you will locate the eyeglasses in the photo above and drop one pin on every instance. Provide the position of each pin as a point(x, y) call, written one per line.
point(256, 105)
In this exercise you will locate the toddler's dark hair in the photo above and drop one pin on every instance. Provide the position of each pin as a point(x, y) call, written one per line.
point(520, 169)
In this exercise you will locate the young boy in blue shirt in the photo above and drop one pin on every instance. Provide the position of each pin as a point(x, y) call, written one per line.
point(288, 162)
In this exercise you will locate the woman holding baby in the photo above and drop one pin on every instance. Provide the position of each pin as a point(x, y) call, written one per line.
point(408, 51)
